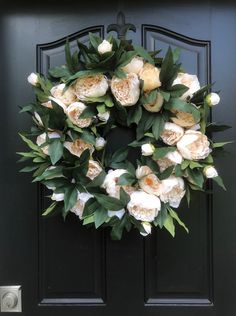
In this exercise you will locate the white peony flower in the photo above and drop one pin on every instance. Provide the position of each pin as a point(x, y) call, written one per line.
point(157, 105)
point(147, 227)
point(104, 47)
point(67, 97)
point(42, 138)
point(110, 182)
point(91, 87)
point(143, 206)
point(150, 76)
point(104, 117)
point(118, 214)
point(78, 147)
point(147, 149)
point(94, 169)
point(172, 190)
point(210, 172)
point(143, 171)
point(74, 111)
point(58, 197)
point(194, 145)
point(190, 81)
point(170, 159)
point(100, 142)
point(78, 208)
point(33, 79)
point(212, 99)
point(171, 133)
point(150, 184)
point(126, 90)
point(134, 66)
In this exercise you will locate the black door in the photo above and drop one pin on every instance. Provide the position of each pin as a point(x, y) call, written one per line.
point(66, 269)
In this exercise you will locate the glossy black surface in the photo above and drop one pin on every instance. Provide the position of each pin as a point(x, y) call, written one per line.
point(66, 269)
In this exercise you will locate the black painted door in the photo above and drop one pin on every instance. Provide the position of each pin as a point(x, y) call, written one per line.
point(66, 269)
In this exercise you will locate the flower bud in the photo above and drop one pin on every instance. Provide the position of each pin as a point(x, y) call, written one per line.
point(134, 66)
point(100, 143)
point(212, 99)
point(147, 149)
point(58, 197)
point(147, 227)
point(33, 79)
point(104, 117)
point(210, 172)
point(104, 47)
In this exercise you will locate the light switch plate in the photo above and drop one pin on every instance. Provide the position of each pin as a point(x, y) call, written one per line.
point(10, 299)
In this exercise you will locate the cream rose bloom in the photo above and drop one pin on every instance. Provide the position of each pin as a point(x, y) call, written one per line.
point(172, 190)
point(190, 81)
point(126, 90)
point(183, 119)
point(150, 184)
point(104, 47)
point(42, 138)
point(150, 76)
point(170, 159)
point(134, 66)
point(210, 172)
point(78, 147)
point(33, 79)
point(111, 186)
point(78, 208)
point(91, 87)
point(94, 169)
point(172, 133)
point(157, 105)
point(74, 111)
point(194, 145)
point(143, 206)
point(67, 97)
point(143, 171)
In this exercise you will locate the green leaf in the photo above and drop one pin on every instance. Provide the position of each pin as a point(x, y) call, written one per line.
point(49, 209)
point(98, 181)
point(174, 215)
point(169, 225)
point(88, 220)
point(178, 90)
point(143, 53)
point(68, 55)
point(30, 143)
point(110, 203)
point(166, 95)
point(100, 216)
point(185, 164)
point(55, 150)
point(90, 111)
point(94, 40)
point(162, 152)
point(90, 207)
point(196, 176)
point(149, 98)
point(134, 114)
point(126, 179)
point(179, 105)
point(161, 217)
point(50, 174)
point(88, 137)
point(119, 73)
point(84, 73)
point(124, 197)
point(60, 72)
point(214, 128)
point(27, 108)
point(219, 181)
point(194, 164)
point(29, 168)
point(167, 68)
point(158, 126)
point(117, 229)
point(218, 145)
point(166, 173)
point(70, 198)
point(120, 155)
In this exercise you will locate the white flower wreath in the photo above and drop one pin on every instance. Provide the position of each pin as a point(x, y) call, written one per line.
point(112, 83)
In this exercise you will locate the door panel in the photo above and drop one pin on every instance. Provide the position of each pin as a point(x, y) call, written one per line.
point(66, 269)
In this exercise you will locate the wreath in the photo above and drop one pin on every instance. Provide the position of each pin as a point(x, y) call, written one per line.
point(103, 86)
